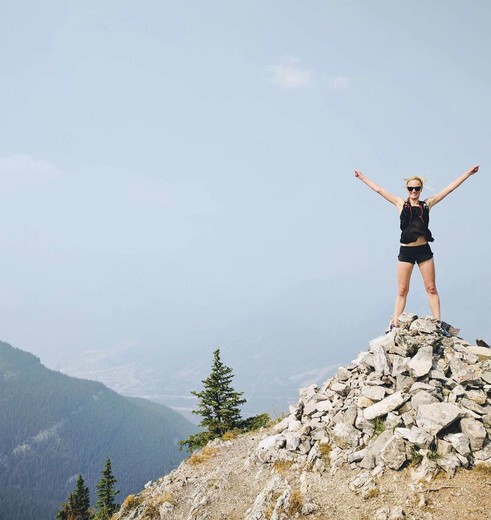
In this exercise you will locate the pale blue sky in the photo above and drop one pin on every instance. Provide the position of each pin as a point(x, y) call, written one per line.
point(169, 166)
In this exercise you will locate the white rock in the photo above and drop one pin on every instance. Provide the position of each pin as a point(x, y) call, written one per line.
point(449, 463)
point(380, 362)
point(482, 353)
point(363, 402)
point(436, 416)
point(424, 325)
point(421, 363)
point(475, 431)
point(345, 435)
point(324, 406)
point(385, 406)
point(340, 388)
point(393, 453)
point(374, 393)
point(292, 441)
point(386, 341)
point(460, 443)
point(415, 436)
point(422, 397)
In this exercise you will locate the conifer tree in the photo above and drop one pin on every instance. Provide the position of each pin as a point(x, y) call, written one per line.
point(218, 404)
point(81, 501)
point(78, 505)
point(106, 493)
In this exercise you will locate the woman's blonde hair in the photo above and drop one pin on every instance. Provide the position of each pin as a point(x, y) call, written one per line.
point(422, 180)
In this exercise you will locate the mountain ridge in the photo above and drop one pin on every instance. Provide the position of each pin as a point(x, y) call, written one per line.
point(54, 427)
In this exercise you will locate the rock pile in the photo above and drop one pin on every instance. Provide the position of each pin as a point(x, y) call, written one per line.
point(414, 397)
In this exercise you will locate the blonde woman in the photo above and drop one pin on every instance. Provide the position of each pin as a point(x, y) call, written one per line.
point(414, 216)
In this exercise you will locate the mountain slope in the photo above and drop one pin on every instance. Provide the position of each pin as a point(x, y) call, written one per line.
point(379, 440)
point(53, 427)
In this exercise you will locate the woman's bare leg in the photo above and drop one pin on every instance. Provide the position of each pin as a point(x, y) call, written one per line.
point(404, 271)
point(427, 269)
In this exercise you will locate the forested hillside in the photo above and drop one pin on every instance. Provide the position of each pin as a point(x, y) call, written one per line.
point(54, 427)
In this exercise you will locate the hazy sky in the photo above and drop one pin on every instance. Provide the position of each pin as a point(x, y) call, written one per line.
point(171, 164)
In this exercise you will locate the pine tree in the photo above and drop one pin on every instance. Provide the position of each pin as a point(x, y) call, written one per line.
point(218, 405)
point(106, 493)
point(81, 501)
point(78, 505)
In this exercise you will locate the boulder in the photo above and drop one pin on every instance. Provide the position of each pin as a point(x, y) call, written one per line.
point(422, 362)
point(392, 402)
point(434, 417)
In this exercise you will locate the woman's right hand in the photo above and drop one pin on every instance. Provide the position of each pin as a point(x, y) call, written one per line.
point(358, 174)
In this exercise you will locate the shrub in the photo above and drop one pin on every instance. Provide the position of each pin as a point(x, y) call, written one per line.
point(202, 456)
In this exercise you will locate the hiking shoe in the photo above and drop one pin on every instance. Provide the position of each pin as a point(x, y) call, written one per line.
point(391, 327)
point(443, 329)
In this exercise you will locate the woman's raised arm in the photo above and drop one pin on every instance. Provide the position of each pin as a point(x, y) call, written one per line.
point(431, 201)
point(397, 201)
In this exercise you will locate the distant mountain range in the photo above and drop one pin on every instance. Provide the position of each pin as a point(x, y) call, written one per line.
point(292, 341)
point(289, 342)
point(54, 427)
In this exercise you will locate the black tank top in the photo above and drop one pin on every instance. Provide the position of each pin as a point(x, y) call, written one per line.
point(414, 222)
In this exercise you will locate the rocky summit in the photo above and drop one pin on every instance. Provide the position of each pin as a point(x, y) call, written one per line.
point(366, 444)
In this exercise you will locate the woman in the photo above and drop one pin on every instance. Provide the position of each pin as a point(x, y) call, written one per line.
point(415, 237)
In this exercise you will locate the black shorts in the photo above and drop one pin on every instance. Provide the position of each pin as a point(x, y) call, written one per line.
point(414, 254)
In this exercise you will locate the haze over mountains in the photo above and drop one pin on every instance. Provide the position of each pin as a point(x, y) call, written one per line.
point(54, 427)
point(290, 341)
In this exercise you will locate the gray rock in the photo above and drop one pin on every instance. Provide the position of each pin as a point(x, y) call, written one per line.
point(345, 435)
point(436, 416)
point(484, 454)
point(478, 396)
point(463, 373)
point(386, 342)
point(403, 383)
point(460, 443)
point(324, 406)
point(292, 441)
point(486, 377)
point(374, 448)
point(449, 463)
point(398, 363)
point(415, 436)
point(380, 362)
point(393, 453)
point(359, 480)
point(438, 374)
point(482, 353)
point(340, 388)
point(421, 363)
point(409, 418)
point(374, 393)
point(475, 431)
point(422, 397)
point(385, 406)
point(308, 391)
point(357, 455)
point(393, 420)
point(418, 386)
point(424, 325)
point(473, 406)
point(364, 402)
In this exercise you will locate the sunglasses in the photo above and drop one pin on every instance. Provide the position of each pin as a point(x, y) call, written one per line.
point(415, 188)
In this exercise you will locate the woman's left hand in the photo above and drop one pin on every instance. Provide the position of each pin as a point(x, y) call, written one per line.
point(473, 170)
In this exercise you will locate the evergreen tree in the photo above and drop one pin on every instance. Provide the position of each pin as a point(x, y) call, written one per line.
point(106, 493)
point(218, 405)
point(78, 505)
point(81, 501)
